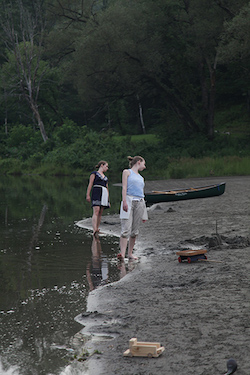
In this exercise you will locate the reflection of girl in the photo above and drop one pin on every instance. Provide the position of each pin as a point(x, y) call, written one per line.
point(97, 270)
point(133, 208)
point(100, 194)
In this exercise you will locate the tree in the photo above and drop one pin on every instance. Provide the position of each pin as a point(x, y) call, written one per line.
point(124, 53)
point(150, 48)
point(235, 41)
point(25, 70)
point(234, 52)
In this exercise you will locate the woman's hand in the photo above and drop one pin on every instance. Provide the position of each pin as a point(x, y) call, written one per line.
point(125, 206)
point(88, 198)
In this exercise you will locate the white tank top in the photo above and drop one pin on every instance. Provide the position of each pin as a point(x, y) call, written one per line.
point(135, 185)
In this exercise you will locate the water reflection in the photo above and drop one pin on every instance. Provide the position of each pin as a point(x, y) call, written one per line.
point(48, 265)
point(43, 282)
point(97, 268)
point(124, 268)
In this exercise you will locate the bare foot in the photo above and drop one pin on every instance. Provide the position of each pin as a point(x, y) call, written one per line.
point(132, 257)
point(120, 257)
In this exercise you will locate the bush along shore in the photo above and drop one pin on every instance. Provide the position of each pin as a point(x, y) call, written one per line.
point(175, 168)
point(65, 156)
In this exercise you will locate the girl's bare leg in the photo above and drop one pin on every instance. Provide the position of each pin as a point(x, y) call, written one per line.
point(99, 217)
point(131, 248)
point(123, 246)
point(95, 218)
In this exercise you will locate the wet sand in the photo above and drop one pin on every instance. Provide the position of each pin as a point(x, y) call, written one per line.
point(200, 312)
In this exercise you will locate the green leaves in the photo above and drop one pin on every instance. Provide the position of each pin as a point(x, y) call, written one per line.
point(235, 43)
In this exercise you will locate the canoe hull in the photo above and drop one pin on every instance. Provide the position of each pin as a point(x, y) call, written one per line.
point(184, 194)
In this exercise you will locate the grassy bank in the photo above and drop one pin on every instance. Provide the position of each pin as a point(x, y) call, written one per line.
point(166, 157)
point(221, 166)
point(175, 168)
point(204, 167)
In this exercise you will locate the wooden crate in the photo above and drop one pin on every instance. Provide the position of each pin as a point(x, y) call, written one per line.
point(143, 349)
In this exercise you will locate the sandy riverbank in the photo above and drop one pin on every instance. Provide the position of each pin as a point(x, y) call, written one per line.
point(200, 312)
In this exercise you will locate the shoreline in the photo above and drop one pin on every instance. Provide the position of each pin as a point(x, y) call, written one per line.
point(199, 311)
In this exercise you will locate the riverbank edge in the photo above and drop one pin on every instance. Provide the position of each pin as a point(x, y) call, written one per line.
point(109, 227)
point(169, 227)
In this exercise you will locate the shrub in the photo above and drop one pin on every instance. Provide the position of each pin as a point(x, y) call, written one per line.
point(11, 166)
point(23, 141)
point(67, 133)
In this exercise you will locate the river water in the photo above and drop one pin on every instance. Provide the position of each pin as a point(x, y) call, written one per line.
point(48, 265)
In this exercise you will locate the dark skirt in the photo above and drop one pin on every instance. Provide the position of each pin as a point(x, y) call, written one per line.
point(97, 195)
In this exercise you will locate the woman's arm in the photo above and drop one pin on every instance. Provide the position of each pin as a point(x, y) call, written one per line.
point(91, 181)
point(125, 175)
point(107, 186)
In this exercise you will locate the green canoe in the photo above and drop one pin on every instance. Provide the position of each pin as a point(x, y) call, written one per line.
point(183, 194)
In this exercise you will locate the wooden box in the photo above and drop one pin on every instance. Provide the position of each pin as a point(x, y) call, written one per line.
point(143, 349)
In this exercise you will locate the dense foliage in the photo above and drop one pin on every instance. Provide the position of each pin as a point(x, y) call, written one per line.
point(75, 75)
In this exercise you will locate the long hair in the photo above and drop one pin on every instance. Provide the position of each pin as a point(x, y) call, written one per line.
point(101, 162)
point(134, 159)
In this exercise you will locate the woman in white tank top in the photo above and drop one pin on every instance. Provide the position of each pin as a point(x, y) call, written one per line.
point(133, 207)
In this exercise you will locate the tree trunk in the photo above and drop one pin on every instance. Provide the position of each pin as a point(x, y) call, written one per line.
point(6, 113)
point(211, 101)
point(6, 125)
point(211, 108)
point(39, 121)
point(141, 115)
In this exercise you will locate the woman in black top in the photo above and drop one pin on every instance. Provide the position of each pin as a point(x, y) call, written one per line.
point(98, 182)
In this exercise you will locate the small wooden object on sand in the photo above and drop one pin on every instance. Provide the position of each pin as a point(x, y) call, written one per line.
point(143, 349)
point(191, 255)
